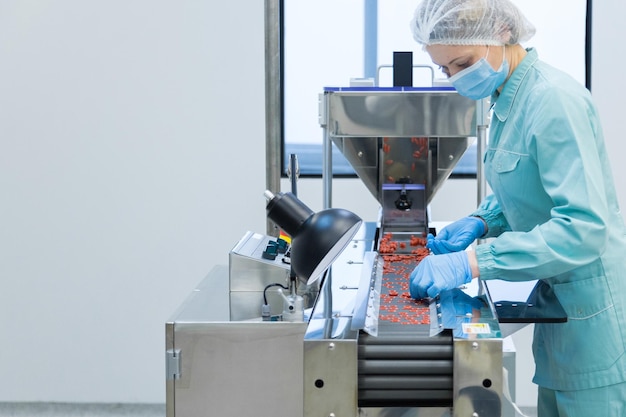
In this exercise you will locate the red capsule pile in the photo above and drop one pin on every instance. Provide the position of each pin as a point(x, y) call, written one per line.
point(389, 246)
point(405, 152)
point(396, 304)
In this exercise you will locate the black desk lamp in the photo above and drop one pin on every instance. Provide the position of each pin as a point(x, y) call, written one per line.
point(317, 239)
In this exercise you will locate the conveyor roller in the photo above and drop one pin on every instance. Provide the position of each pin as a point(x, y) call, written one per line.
point(405, 369)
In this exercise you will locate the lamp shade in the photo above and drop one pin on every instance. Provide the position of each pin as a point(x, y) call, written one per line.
point(317, 239)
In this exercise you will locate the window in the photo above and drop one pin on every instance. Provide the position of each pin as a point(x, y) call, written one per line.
point(328, 42)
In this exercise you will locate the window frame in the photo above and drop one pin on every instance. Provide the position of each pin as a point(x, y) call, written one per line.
point(307, 153)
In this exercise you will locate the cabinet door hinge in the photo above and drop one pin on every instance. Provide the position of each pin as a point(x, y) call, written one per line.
point(172, 364)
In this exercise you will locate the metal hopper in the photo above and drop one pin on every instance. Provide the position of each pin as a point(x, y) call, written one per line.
point(402, 142)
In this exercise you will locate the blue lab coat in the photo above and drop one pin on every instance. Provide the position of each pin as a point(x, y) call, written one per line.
point(555, 217)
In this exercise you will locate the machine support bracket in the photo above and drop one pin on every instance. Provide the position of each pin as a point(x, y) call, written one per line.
point(172, 364)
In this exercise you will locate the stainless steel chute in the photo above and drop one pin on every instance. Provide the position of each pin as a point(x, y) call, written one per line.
point(402, 142)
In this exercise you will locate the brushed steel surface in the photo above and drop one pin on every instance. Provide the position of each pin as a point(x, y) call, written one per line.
point(240, 369)
point(398, 137)
point(273, 101)
point(232, 367)
point(330, 377)
point(412, 113)
point(478, 377)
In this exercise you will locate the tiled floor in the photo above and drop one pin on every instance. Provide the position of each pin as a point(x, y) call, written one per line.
point(107, 410)
point(80, 410)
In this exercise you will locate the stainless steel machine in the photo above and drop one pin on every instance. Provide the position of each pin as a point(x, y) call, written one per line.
point(362, 347)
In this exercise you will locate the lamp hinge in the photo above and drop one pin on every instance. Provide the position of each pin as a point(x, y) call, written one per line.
point(172, 364)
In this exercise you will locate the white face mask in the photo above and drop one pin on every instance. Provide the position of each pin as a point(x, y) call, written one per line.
point(480, 80)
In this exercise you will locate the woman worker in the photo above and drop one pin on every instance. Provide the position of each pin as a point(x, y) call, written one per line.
point(553, 214)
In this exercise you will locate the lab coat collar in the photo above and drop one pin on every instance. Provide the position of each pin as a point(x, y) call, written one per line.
point(503, 101)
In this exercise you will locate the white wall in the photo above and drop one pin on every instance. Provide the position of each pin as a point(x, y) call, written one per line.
point(125, 127)
point(608, 85)
point(131, 160)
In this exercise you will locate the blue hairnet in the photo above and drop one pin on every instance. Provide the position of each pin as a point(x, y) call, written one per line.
point(470, 22)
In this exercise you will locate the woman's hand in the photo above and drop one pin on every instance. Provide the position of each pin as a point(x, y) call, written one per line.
point(457, 236)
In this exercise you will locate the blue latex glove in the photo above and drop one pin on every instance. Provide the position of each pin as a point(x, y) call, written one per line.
point(458, 308)
point(436, 273)
point(456, 236)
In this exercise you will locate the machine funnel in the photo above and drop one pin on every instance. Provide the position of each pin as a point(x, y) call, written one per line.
point(403, 142)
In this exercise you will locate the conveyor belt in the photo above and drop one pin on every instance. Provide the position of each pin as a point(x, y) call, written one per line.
point(405, 369)
point(400, 257)
point(403, 366)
